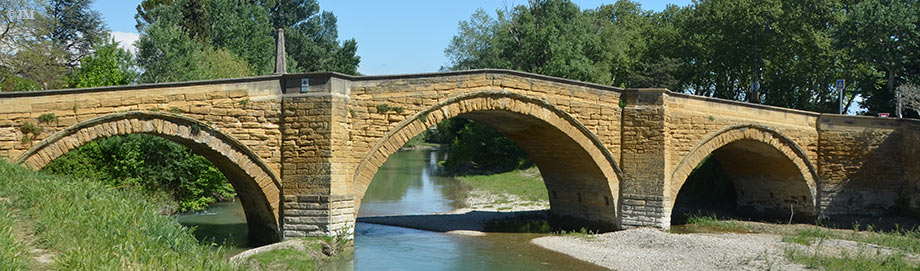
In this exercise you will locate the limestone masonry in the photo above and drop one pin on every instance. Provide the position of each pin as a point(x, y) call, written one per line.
point(301, 149)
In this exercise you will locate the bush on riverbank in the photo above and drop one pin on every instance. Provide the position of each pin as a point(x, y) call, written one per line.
point(154, 164)
point(477, 148)
point(90, 226)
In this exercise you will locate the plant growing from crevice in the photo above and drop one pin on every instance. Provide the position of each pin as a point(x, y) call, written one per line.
point(244, 102)
point(29, 131)
point(383, 108)
point(398, 110)
point(47, 118)
point(175, 110)
point(351, 112)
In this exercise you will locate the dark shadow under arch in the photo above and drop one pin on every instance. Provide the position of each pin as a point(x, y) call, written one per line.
point(770, 175)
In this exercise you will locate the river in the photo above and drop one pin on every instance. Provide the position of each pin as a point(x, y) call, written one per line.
point(408, 183)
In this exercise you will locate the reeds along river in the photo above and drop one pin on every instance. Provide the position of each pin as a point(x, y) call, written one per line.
point(408, 183)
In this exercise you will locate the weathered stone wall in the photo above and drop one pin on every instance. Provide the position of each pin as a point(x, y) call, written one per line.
point(644, 160)
point(315, 200)
point(860, 163)
point(911, 164)
point(248, 110)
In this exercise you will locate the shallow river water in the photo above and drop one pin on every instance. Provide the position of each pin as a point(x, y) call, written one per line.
point(406, 184)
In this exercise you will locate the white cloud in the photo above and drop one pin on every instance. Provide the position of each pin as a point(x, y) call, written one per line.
point(126, 40)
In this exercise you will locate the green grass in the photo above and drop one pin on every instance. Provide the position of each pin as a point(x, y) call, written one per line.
point(13, 254)
point(711, 223)
point(527, 184)
point(283, 259)
point(864, 259)
point(90, 226)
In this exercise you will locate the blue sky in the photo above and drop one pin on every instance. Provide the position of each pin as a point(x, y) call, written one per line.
point(394, 37)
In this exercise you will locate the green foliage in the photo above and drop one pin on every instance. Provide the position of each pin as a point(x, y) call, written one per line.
point(108, 65)
point(398, 109)
point(383, 108)
point(12, 82)
point(244, 102)
point(148, 163)
point(189, 40)
point(91, 226)
point(175, 110)
point(711, 223)
point(289, 259)
point(717, 48)
point(167, 54)
point(47, 118)
point(476, 147)
point(77, 29)
point(30, 128)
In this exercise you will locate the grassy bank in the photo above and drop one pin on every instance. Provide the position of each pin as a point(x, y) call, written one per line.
point(13, 254)
point(875, 250)
point(87, 225)
point(527, 184)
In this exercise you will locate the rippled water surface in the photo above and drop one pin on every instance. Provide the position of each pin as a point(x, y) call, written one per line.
point(408, 184)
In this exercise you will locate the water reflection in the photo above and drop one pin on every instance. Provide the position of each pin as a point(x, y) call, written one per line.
point(408, 183)
point(222, 223)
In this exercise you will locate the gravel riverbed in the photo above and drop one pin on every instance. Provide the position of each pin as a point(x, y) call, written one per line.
point(652, 249)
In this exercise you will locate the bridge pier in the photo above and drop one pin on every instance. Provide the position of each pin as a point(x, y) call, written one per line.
point(644, 160)
point(314, 166)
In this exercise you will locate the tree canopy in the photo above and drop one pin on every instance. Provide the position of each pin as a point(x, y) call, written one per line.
point(793, 50)
point(186, 39)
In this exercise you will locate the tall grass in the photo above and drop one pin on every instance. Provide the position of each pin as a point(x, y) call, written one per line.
point(13, 255)
point(91, 226)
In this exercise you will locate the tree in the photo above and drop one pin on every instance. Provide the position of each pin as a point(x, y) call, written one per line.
point(109, 65)
point(885, 34)
point(168, 54)
point(76, 28)
point(910, 96)
point(238, 30)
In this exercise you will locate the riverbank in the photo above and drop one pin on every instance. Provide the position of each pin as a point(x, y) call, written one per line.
point(710, 244)
point(52, 222)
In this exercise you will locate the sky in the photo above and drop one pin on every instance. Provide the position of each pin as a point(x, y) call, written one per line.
point(394, 37)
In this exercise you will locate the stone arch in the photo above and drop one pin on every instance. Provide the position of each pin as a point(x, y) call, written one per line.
point(257, 185)
point(759, 154)
point(579, 171)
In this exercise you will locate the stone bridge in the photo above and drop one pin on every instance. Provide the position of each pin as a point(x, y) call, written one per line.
point(301, 149)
